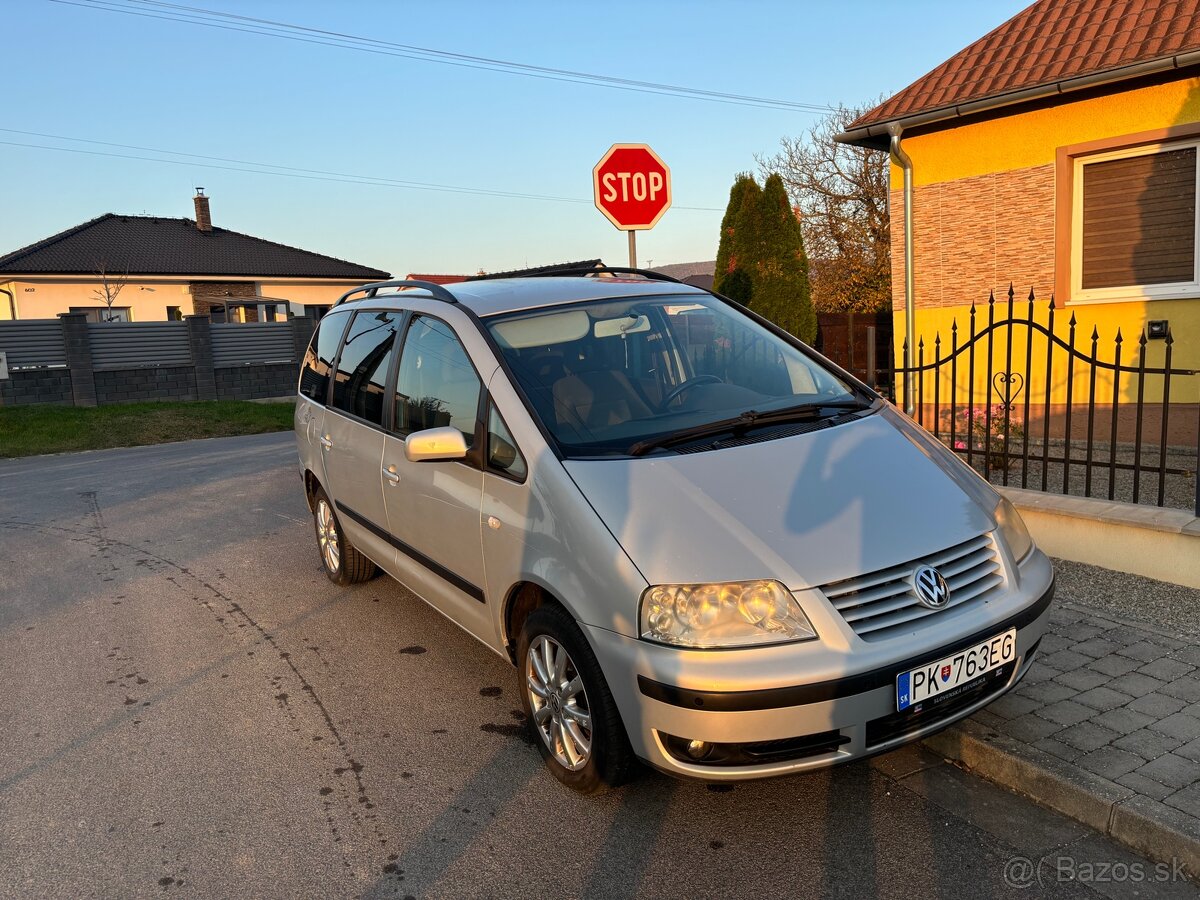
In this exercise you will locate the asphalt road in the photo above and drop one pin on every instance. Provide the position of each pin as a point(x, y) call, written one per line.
point(189, 707)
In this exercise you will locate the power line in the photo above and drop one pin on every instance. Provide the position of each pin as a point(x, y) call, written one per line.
point(257, 168)
point(173, 12)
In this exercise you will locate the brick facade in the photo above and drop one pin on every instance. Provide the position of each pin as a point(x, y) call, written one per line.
point(975, 235)
point(207, 294)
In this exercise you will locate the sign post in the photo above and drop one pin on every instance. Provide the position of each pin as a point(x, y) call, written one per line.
point(632, 187)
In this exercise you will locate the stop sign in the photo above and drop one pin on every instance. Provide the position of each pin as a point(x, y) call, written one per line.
point(632, 186)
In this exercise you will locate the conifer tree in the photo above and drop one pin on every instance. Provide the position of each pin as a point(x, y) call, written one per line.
point(760, 257)
point(731, 277)
point(779, 268)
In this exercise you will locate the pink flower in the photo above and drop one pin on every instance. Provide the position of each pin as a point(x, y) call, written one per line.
point(960, 445)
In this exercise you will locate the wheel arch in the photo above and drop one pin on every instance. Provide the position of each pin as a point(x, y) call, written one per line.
point(522, 599)
point(311, 483)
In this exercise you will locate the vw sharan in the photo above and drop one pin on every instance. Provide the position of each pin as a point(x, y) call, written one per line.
point(701, 544)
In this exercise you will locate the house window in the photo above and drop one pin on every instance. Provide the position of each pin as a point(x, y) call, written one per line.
point(174, 314)
point(103, 313)
point(1135, 224)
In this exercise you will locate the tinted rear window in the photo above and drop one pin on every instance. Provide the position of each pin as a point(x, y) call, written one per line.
point(363, 365)
point(318, 360)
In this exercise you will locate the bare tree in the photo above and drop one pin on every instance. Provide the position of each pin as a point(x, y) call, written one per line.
point(841, 194)
point(110, 287)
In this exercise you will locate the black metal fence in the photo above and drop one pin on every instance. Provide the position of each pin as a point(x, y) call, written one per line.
point(1063, 419)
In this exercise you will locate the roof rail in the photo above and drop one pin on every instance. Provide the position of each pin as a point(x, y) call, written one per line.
point(436, 290)
point(595, 270)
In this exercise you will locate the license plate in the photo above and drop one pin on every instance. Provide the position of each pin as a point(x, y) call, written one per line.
point(938, 678)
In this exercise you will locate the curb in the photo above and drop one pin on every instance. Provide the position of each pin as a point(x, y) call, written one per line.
point(1153, 829)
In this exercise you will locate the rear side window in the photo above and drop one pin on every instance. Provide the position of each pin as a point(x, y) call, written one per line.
point(437, 385)
point(318, 360)
point(362, 370)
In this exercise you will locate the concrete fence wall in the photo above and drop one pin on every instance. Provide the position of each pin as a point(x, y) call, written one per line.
point(72, 362)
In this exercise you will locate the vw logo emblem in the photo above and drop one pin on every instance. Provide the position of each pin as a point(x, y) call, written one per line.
point(930, 587)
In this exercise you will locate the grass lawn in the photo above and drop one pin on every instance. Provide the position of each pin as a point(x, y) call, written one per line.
point(30, 430)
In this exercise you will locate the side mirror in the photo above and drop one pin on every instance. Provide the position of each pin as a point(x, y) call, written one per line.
point(435, 443)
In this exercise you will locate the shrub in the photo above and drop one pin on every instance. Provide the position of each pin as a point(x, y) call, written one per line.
point(971, 427)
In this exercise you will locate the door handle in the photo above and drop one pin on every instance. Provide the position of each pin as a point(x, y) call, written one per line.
point(391, 475)
point(326, 442)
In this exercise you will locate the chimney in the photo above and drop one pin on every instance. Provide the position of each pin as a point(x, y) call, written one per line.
point(203, 218)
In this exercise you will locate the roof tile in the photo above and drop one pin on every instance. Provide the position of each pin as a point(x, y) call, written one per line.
point(437, 279)
point(151, 245)
point(1049, 41)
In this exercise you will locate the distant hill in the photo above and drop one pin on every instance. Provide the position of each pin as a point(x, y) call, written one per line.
point(684, 271)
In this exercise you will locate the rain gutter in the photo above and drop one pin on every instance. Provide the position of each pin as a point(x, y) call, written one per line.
point(901, 158)
point(873, 134)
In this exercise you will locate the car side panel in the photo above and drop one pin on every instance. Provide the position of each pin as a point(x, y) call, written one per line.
point(308, 421)
point(354, 480)
point(433, 514)
point(547, 534)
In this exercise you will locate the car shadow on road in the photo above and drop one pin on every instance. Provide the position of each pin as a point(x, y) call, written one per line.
point(450, 836)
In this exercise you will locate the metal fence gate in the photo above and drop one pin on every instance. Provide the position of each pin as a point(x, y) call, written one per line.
point(1055, 413)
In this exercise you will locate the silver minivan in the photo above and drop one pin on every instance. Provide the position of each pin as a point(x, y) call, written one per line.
point(701, 544)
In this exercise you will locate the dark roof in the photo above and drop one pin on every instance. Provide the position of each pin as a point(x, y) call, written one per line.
point(541, 270)
point(148, 245)
point(1049, 42)
point(437, 279)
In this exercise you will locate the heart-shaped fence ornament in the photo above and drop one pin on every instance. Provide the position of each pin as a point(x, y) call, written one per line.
point(1002, 383)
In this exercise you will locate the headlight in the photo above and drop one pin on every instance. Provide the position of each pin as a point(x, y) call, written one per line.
point(1016, 535)
point(735, 614)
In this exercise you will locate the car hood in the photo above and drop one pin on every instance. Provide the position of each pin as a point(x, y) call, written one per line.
point(805, 510)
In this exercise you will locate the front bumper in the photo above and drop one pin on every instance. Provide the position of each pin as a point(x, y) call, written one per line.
point(667, 697)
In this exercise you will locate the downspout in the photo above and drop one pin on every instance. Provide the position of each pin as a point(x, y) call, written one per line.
point(902, 159)
point(12, 303)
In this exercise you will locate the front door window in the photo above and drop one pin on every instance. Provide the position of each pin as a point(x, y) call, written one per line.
point(437, 385)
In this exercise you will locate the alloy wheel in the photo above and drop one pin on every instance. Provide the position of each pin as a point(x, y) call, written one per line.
point(559, 702)
point(327, 536)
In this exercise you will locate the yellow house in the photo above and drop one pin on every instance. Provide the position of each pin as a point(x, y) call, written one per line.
point(157, 268)
point(1058, 153)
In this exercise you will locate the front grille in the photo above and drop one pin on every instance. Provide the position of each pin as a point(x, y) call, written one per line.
point(883, 604)
point(937, 709)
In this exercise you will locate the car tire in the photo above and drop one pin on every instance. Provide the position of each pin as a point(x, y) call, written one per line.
point(339, 558)
point(567, 704)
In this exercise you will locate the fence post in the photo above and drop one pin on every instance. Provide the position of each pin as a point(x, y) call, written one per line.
point(78, 348)
point(302, 332)
point(200, 341)
point(872, 380)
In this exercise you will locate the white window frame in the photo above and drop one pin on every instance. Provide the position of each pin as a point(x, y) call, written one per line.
point(1134, 292)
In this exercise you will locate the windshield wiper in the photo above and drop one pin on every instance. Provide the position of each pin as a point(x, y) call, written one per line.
point(751, 418)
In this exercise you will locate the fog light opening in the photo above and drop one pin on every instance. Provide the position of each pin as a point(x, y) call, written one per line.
point(698, 749)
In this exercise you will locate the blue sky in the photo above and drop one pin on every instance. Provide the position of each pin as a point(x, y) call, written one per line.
point(106, 76)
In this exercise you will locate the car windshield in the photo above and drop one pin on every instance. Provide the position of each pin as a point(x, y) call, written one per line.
point(621, 376)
